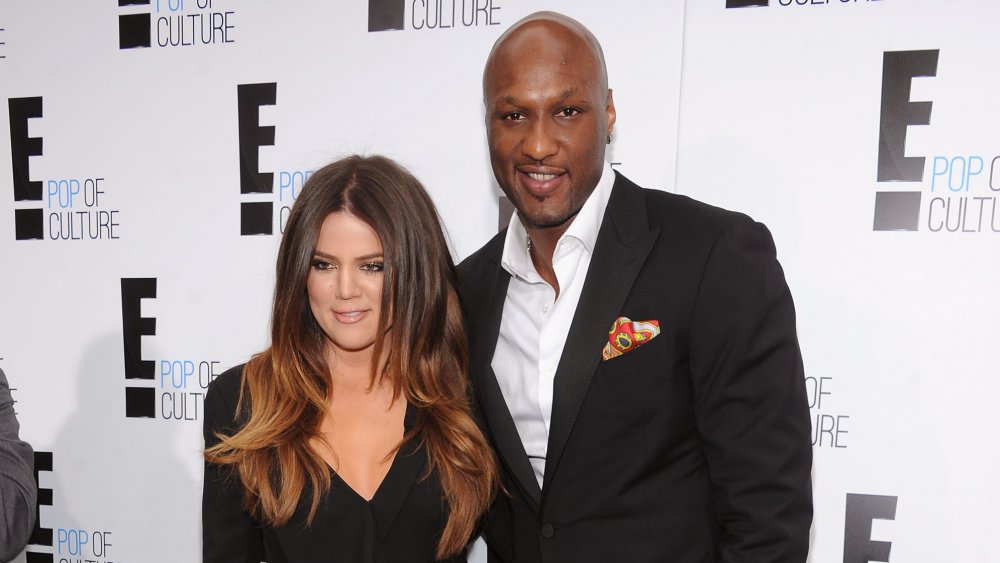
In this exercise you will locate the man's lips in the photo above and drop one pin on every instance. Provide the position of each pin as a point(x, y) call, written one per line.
point(540, 182)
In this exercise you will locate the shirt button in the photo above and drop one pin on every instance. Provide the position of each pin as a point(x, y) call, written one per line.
point(548, 531)
point(545, 308)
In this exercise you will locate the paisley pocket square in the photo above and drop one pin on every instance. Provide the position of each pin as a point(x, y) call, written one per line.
point(626, 335)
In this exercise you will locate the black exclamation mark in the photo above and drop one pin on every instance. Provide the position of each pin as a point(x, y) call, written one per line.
point(133, 29)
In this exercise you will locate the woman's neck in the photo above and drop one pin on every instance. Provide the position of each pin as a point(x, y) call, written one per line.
point(351, 371)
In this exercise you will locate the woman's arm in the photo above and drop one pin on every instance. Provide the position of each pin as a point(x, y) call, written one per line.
point(229, 534)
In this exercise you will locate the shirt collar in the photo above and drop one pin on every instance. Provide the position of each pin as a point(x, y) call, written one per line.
point(584, 228)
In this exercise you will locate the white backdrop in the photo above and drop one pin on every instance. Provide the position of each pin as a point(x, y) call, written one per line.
point(774, 110)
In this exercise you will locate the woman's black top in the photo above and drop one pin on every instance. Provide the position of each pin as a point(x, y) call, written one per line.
point(402, 522)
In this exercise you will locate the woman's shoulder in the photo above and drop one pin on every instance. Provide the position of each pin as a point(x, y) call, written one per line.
point(223, 395)
point(228, 383)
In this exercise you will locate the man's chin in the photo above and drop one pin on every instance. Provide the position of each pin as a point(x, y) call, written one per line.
point(545, 221)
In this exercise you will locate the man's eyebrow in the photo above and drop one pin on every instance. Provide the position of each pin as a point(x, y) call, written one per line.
point(568, 93)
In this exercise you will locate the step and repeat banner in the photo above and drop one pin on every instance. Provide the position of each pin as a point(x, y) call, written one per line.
point(866, 135)
point(156, 146)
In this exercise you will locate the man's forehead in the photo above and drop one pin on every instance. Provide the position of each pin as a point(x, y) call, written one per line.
point(544, 39)
point(504, 98)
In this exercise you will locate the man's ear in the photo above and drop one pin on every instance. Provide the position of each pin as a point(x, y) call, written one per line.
point(610, 110)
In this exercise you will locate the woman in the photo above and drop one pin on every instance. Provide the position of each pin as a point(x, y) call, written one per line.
point(350, 438)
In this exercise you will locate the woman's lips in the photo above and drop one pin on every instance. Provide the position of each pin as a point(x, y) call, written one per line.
point(350, 317)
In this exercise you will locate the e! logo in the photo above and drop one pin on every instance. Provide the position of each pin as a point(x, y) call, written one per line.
point(256, 217)
point(140, 402)
point(39, 535)
point(861, 510)
point(27, 222)
point(898, 210)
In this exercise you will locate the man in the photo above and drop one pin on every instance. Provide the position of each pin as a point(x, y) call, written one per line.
point(683, 435)
point(17, 481)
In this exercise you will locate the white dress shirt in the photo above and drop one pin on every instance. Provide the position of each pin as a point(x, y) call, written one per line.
point(535, 322)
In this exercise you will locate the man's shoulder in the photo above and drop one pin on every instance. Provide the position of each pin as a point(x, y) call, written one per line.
point(474, 272)
point(487, 254)
point(676, 212)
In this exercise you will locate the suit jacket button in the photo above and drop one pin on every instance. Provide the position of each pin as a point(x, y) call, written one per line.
point(548, 531)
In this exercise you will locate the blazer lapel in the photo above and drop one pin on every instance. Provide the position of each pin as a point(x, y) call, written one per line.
point(486, 329)
point(623, 244)
point(406, 468)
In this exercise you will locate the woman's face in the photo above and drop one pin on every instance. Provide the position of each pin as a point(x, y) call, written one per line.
point(345, 283)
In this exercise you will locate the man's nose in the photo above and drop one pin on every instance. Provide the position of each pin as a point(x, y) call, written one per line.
point(540, 142)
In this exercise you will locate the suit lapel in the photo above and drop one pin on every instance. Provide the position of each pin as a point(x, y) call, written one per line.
point(486, 330)
point(622, 245)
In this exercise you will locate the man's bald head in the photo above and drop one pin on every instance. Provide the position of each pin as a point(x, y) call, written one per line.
point(549, 117)
point(558, 27)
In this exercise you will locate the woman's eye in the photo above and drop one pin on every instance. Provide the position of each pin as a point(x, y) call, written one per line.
point(372, 267)
point(322, 265)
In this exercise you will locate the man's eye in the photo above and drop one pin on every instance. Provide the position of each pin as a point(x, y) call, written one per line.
point(568, 112)
point(513, 116)
point(373, 267)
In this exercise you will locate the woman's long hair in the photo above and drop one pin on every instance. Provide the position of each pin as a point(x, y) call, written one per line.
point(426, 356)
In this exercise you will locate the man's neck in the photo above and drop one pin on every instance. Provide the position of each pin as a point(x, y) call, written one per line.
point(541, 247)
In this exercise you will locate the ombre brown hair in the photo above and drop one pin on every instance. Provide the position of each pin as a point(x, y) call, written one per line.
point(286, 388)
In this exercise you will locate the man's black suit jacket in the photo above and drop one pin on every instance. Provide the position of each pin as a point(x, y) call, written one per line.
point(692, 448)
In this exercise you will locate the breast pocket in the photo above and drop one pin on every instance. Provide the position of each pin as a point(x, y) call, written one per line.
point(647, 357)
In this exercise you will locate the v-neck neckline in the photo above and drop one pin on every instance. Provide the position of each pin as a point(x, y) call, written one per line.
point(405, 470)
point(378, 489)
point(409, 418)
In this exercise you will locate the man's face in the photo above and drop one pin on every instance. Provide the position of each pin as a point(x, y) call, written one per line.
point(548, 116)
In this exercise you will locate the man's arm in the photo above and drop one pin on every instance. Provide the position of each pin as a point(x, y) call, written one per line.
point(18, 489)
point(750, 400)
